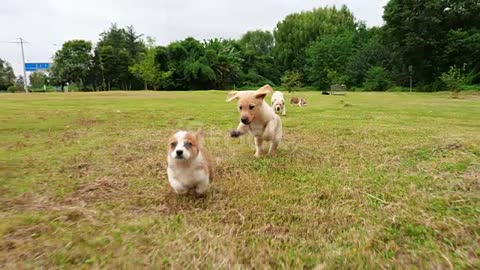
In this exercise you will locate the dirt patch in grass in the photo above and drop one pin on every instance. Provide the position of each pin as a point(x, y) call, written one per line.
point(86, 123)
point(103, 189)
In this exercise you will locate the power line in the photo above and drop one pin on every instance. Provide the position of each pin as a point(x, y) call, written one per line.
point(17, 42)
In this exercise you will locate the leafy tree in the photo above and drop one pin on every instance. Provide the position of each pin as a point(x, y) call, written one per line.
point(72, 63)
point(328, 59)
point(462, 49)
point(20, 82)
point(258, 41)
point(193, 70)
point(95, 73)
point(258, 65)
point(369, 52)
point(224, 58)
point(432, 35)
point(146, 68)
point(292, 80)
point(7, 76)
point(38, 79)
point(299, 31)
point(117, 50)
point(190, 64)
point(377, 79)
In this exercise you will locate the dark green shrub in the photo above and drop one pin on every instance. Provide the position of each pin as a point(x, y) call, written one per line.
point(292, 80)
point(454, 78)
point(377, 79)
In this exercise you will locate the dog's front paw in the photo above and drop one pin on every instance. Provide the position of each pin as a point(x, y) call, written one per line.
point(235, 133)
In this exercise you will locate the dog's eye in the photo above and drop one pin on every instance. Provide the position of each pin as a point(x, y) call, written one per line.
point(173, 144)
point(251, 107)
point(188, 144)
point(240, 107)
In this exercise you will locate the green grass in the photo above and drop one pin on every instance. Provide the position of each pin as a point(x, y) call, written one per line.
point(366, 180)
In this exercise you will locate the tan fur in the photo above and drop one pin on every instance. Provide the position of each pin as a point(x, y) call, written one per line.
point(257, 118)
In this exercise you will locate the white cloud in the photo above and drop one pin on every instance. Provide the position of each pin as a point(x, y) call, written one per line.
point(49, 22)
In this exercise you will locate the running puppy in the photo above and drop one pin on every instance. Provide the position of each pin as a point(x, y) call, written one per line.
point(278, 103)
point(298, 101)
point(257, 118)
point(189, 165)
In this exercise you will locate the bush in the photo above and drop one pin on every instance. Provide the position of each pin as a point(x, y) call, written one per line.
point(377, 79)
point(291, 80)
point(454, 78)
point(15, 88)
point(357, 89)
point(473, 87)
point(399, 89)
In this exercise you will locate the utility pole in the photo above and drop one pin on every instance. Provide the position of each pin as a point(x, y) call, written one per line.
point(25, 84)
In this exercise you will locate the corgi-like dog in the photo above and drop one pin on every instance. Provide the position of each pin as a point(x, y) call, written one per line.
point(189, 164)
point(257, 118)
point(298, 101)
point(278, 103)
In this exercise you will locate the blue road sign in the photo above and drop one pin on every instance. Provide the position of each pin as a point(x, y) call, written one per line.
point(36, 66)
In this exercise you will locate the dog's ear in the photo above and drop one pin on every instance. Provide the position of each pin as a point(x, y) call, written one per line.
point(264, 91)
point(199, 134)
point(232, 95)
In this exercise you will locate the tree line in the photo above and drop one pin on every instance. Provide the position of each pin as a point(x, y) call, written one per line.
point(434, 42)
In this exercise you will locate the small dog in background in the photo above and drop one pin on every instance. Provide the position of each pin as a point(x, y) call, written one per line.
point(298, 101)
point(257, 118)
point(189, 164)
point(278, 103)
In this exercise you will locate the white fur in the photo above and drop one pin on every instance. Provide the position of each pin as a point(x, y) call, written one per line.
point(278, 102)
point(185, 174)
point(302, 102)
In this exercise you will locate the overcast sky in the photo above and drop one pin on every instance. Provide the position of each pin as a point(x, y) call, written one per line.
point(46, 24)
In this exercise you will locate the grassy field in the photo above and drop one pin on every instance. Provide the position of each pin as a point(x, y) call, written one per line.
point(366, 180)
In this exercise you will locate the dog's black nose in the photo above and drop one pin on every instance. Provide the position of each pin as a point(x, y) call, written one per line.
point(244, 120)
point(179, 152)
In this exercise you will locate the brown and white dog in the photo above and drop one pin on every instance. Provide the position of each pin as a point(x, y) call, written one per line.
point(298, 101)
point(257, 118)
point(278, 103)
point(189, 164)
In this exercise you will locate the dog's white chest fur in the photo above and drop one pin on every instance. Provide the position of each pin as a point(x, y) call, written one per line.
point(184, 176)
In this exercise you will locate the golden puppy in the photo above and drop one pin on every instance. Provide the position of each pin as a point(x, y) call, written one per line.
point(189, 164)
point(257, 118)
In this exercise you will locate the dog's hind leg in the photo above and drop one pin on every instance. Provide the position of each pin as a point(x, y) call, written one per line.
point(274, 129)
point(258, 147)
point(201, 188)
